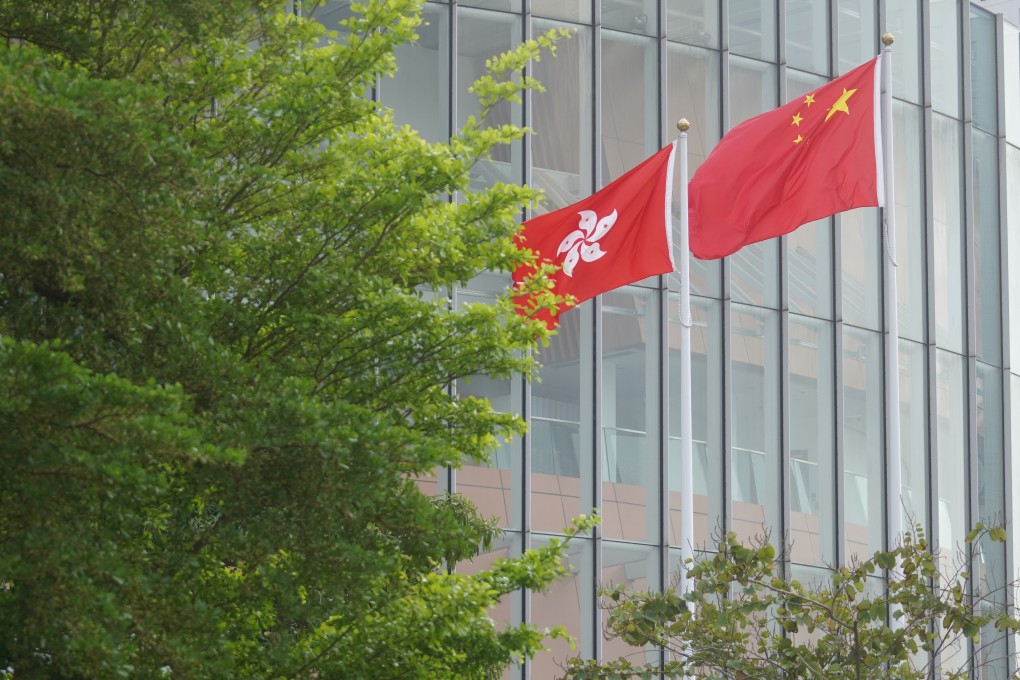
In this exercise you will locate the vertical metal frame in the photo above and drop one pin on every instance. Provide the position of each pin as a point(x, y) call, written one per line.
point(726, 438)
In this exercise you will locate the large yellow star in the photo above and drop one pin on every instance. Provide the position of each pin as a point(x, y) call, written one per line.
point(796, 119)
point(840, 104)
point(809, 100)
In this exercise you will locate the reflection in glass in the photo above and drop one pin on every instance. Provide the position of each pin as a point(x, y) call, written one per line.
point(630, 414)
point(861, 241)
point(863, 443)
point(561, 425)
point(945, 57)
point(706, 417)
point(753, 28)
point(630, 119)
point(754, 408)
point(562, 119)
point(947, 174)
point(493, 486)
point(807, 35)
point(694, 22)
point(812, 454)
point(637, 568)
point(987, 247)
point(632, 16)
point(569, 602)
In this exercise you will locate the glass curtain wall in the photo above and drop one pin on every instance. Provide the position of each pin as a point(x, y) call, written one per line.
point(788, 363)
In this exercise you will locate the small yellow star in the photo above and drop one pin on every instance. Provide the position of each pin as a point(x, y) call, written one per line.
point(796, 119)
point(809, 100)
point(798, 140)
point(840, 104)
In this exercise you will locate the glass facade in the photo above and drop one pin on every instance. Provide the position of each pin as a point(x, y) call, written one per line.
point(788, 354)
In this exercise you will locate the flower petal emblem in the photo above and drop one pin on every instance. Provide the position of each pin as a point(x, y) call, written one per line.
point(582, 243)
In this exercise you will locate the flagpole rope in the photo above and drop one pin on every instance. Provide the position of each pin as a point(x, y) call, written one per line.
point(885, 237)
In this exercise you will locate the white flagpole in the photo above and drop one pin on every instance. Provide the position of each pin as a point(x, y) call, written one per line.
point(686, 433)
point(894, 485)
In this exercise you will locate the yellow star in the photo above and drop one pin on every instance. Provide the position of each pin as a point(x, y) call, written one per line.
point(840, 104)
point(796, 119)
point(809, 100)
point(798, 140)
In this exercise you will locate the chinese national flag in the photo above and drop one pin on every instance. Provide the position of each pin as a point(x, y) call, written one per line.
point(616, 236)
point(816, 156)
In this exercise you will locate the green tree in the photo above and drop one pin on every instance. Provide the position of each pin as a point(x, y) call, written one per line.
point(225, 349)
point(743, 619)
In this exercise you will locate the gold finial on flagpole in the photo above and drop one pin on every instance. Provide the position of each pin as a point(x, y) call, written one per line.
point(683, 125)
point(887, 39)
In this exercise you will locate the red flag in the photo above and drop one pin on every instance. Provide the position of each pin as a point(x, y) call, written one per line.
point(616, 236)
point(816, 156)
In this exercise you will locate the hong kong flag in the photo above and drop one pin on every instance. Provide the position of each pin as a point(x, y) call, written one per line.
point(616, 236)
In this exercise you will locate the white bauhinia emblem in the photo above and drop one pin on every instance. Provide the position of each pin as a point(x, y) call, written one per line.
point(583, 243)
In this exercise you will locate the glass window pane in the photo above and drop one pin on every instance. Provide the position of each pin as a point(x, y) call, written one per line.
point(693, 93)
point(910, 226)
point(494, 486)
point(1013, 229)
point(947, 174)
point(987, 250)
point(754, 268)
point(630, 414)
point(568, 10)
point(1011, 93)
point(863, 452)
point(913, 434)
point(706, 418)
point(630, 118)
point(754, 409)
point(753, 28)
point(951, 447)
point(695, 22)
point(569, 602)
point(857, 36)
point(861, 239)
point(807, 35)
point(633, 16)
point(561, 438)
point(945, 56)
point(812, 453)
point(809, 248)
point(905, 25)
point(636, 567)
point(984, 107)
point(990, 568)
point(562, 119)
point(482, 35)
point(419, 91)
point(503, 5)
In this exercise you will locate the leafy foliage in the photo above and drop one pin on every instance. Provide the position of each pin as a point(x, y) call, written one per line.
point(220, 361)
point(742, 619)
